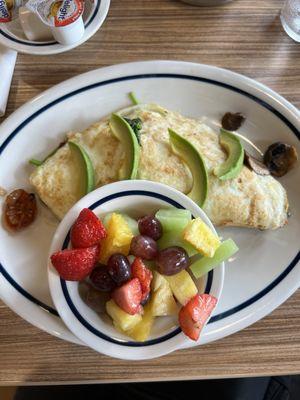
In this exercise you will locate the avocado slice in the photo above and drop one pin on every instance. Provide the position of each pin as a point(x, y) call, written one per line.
point(185, 150)
point(230, 168)
point(86, 174)
point(123, 131)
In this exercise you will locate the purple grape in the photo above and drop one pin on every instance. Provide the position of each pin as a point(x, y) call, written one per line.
point(95, 299)
point(119, 268)
point(144, 247)
point(172, 260)
point(101, 279)
point(150, 226)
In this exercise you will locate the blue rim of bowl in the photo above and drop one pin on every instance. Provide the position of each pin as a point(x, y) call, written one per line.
point(254, 98)
point(72, 306)
point(34, 44)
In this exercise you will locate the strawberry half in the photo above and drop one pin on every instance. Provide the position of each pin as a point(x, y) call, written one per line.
point(75, 264)
point(193, 316)
point(129, 296)
point(87, 230)
point(144, 275)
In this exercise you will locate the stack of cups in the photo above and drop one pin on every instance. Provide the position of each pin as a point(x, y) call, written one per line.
point(43, 18)
point(64, 18)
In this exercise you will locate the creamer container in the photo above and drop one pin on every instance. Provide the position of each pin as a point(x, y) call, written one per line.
point(9, 10)
point(63, 17)
point(33, 28)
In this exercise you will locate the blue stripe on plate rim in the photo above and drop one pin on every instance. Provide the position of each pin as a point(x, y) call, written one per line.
point(72, 306)
point(35, 44)
point(264, 104)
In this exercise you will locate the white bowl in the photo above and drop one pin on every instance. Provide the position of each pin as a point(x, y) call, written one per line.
point(137, 198)
point(12, 35)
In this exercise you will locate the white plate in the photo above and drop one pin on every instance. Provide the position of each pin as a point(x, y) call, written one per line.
point(12, 35)
point(135, 198)
point(264, 273)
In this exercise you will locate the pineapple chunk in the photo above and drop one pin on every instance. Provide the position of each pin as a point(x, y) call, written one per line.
point(120, 318)
point(199, 235)
point(118, 238)
point(162, 302)
point(183, 286)
point(118, 328)
point(141, 330)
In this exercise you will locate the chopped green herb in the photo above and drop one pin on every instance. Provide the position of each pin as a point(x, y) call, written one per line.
point(133, 98)
point(35, 162)
point(136, 125)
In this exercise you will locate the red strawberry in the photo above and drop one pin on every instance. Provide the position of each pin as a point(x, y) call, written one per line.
point(87, 230)
point(195, 313)
point(144, 275)
point(129, 296)
point(75, 264)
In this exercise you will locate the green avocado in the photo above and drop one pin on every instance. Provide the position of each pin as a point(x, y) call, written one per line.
point(185, 150)
point(230, 168)
point(123, 132)
point(86, 174)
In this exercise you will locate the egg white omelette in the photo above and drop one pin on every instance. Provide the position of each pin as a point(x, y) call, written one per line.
point(249, 200)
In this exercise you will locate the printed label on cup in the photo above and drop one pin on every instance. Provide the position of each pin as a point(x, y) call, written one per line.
point(8, 9)
point(56, 13)
point(68, 12)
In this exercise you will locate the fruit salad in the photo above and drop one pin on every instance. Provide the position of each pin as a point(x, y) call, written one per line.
point(140, 270)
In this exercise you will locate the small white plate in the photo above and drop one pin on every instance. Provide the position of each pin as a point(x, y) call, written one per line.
point(135, 198)
point(12, 35)
point(266, 270)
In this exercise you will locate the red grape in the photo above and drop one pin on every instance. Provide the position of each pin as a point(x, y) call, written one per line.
point(101, 278)
point(119, 268)
point(172, 260)
point(150, 226)
point(144, 247)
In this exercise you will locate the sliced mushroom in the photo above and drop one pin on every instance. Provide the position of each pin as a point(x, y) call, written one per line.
point(255, 165)
point(280, 158)
point(232, 121)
